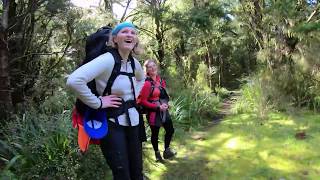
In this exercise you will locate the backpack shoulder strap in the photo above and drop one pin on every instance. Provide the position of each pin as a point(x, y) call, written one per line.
point(133, 64)
point(115, 71)
point(152, 86)
point(131, 75)
point(161, 81)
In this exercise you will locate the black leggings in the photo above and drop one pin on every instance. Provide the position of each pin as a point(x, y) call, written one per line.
point(168, 127)
point(122, 150)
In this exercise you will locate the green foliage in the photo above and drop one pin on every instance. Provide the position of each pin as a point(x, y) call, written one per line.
point(222, 92)
point(192, 104)
point(254, 99)
point(193, 107)
point(1, 7)
point(242, 148)
point(57, 6)
point(286, 43)
point(308, 27)
point(202, 77)
point(42, 144)
point(204, 50)
point(93, 165)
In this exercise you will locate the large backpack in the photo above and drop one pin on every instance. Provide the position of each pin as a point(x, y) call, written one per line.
point(96, 45)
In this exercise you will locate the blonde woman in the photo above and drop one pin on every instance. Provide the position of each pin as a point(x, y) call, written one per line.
point(121, 147)
point(157, 109)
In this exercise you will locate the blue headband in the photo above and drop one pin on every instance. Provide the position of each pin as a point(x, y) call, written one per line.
point(120, 26)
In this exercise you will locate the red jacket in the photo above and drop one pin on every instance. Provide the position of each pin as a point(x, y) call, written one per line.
point(151, 101)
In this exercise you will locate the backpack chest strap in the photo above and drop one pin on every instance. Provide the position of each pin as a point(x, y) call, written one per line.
point(116, 71)
point(153, 86)
point(130, 75)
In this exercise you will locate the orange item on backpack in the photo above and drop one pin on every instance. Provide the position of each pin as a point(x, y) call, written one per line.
point(83, 139)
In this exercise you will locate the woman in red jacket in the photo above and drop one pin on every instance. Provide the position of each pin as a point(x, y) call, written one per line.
point(157, 109)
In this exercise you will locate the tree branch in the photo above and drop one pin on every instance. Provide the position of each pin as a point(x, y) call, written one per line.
point(148, 32)
point(313, 13)
point(125, 11)
point(35, 54)
point(69, 32)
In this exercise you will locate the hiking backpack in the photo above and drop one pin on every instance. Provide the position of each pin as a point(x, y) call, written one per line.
point(163, 93)
point(164, 97)
point(96, 45)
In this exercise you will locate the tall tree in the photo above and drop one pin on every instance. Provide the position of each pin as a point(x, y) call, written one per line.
point(31, 26)
point(5, 92)
point(157, 28)
point(282, 30)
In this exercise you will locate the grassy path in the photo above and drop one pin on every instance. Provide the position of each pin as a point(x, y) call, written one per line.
point(243, 147)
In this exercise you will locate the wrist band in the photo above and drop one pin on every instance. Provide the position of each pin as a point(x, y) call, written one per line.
point(100, 103)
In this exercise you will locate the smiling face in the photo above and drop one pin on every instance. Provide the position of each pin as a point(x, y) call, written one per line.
point(151, 69)
point(126, 39)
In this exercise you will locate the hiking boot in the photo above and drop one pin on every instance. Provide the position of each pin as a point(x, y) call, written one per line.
point(158, 156)
point(169, 153)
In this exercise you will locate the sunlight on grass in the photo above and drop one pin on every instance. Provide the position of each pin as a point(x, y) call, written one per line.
point(232, 143)
point(288, 122)
point(264, 155)
point(281, 164)
point(238, 143)
point(242, 147)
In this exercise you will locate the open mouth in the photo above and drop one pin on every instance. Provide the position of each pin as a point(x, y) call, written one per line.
point(128, 41)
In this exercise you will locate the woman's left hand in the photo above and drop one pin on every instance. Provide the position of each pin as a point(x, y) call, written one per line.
point(110, 101)
point(163, 107)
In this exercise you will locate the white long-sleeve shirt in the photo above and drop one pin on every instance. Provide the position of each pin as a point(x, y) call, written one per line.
point(100, 69)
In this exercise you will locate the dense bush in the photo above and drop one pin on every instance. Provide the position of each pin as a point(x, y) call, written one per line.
point(280, 90)
point(41, 144)
point(193, 107)
point(254, 98)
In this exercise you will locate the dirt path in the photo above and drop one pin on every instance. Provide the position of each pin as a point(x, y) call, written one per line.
point(237, 148)
point(224, 111)
point(193, 150)
point(225, 108)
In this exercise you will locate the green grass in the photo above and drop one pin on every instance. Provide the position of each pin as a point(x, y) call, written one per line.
point(243, 147)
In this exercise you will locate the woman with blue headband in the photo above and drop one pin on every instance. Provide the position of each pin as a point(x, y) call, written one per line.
point(122, 146)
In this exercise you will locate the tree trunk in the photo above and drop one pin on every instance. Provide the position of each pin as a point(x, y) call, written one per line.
point(108, 6)
point(209, 62)
point(257, 22)
point(5, 93)
point(160, 51)
point(221, 76)
point(159, 36)
point(156, 11)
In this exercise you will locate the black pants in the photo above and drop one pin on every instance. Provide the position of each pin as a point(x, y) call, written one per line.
point(122, 149)
point(168, 127)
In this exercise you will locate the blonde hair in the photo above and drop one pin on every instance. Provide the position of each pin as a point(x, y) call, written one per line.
point(147, 62)
point(137, 50)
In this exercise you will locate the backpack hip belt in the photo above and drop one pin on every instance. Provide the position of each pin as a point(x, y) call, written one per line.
point(123, 109)
point(153, 101)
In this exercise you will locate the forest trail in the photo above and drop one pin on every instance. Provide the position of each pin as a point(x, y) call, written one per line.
point(226, 106)
point(239, 147)
point(223, 111)
point(193, 149)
